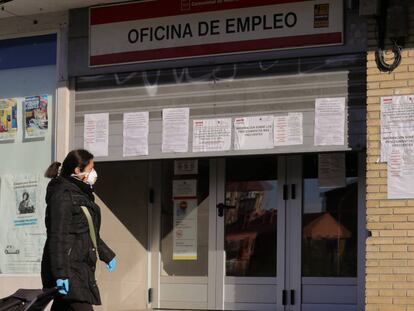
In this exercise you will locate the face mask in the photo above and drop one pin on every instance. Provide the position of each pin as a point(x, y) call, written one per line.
point(91, 177)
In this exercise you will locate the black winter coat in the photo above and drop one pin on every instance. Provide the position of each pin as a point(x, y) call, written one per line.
point(69, 252)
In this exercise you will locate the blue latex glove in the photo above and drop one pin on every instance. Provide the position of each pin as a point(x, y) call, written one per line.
point(111, 265)
point(64, 283)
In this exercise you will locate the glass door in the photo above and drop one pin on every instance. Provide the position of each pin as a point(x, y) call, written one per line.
point(329, 235)
point(186, 235)
point(261, 232)
point(251, 233)
point(287, 234)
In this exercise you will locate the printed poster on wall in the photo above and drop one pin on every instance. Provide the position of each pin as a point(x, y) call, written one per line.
point(212, 135)
point(288, 129)
point(96, 131)
point(330, 121)
point(400, 164)
point(397, 124)
point(185, 219)
point(175, 129)
point(36, 116)
point(23, 233)
point(8, 119)
point(253, 133)
point(136, 128)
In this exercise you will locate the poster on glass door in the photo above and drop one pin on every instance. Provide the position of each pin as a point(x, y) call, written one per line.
point(185, 219)
point(253, 133)
point(23, 233)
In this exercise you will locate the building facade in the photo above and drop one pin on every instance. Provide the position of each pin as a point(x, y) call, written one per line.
point(238, 147)
point(252, 222)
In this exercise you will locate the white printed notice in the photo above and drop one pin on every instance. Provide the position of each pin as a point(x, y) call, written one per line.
point(331, 170)
point(253, 133)
point(185, 229)
point(329, 121)
point(185, 188)
point(96, 130)
point(175, 129)
point(288, 129)
point(185, 219)
point(136, 127)
point(211, 135)
point(400, 173)
point(22, 233)
point(397, 124)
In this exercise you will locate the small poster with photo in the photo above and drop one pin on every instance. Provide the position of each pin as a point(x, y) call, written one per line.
point(36, 116)
point(8, 119)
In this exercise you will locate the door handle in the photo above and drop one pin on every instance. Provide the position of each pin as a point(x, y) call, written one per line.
point(293, 191)
point(285, 192)
point(284, 297)
point(292, 297)
point(221, 207)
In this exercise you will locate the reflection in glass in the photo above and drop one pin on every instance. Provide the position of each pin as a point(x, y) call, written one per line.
point(251, 225)
point(329, 228)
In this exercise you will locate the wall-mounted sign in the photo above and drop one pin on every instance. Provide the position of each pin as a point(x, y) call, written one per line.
point(167, 29)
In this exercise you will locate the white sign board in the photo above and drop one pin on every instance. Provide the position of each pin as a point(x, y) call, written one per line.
point(154, 30)
point(397, 124)
point(253, 133)
point(212, 135)
point(136, 127)
point(96, 131)
point(175, 129)
point(329, 121)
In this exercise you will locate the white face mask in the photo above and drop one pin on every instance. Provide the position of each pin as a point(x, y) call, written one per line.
point(91, 177)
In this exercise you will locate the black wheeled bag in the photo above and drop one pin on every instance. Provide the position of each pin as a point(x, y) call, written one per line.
point(28, 300)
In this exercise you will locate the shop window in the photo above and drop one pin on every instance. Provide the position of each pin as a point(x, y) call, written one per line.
point(27, 88)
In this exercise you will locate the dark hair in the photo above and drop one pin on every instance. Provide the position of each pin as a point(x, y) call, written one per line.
point(76, 158)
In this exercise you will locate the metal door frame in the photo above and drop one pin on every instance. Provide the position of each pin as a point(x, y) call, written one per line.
point(292, 212)
point(279, 280)
point(155, 240)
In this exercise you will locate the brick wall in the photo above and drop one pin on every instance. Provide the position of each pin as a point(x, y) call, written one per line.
point(390, 249)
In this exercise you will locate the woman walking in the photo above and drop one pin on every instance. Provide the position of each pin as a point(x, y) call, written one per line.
point(73, 244)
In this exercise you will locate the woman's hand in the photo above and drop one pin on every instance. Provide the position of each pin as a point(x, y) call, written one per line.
point(63, 284)
point(111, 265)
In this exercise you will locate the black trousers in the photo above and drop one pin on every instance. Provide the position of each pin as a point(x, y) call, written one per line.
point(62, 305)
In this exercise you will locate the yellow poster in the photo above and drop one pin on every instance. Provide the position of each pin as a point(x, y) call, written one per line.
point(8, 118)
